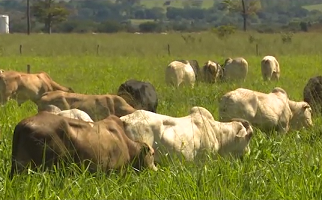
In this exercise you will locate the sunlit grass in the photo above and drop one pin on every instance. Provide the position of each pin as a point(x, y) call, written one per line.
point(279, 167)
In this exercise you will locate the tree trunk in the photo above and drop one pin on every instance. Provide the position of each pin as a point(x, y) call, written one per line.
point(244, 14)
point(48, 25)
point(28, 17)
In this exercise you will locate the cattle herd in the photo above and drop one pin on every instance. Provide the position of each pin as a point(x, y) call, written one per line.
point(111, 131)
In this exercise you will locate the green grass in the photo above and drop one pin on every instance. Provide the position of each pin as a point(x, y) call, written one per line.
point(279, 167)
point(137, 22)
point(313, 7)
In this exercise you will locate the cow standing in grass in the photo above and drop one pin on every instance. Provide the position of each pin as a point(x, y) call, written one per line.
point(178, 73)
point(270, 68)
point(212, 72)
point(235, 69)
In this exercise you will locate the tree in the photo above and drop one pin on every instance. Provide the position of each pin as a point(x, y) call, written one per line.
point(49, 12)
point(245, 8)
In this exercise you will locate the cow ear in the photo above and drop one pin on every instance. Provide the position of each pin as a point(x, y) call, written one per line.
point(241, 133)
point(145, 148)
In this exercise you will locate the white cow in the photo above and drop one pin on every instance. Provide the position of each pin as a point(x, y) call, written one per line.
point(178, 73)
point(270, 68)
point(190, 135)
point(266, 111)
point(71, 113)
point(235, 69)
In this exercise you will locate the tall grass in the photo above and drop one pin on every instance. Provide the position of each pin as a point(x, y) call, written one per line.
point(279, 167)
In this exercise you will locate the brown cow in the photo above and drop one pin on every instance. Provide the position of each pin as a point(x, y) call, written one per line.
point(212, 72)
point(98, 107)
point(23, 87)
point(47, 139)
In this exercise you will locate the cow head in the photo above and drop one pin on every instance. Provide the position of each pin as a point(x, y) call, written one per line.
point(246, 124)
point(243, 136)
point(145, 159)
point(236, 141)
point(302, 115)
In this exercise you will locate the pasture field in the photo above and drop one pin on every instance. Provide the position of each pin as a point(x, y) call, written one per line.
point(175, 3)
point(313, 7)
point(278, 167)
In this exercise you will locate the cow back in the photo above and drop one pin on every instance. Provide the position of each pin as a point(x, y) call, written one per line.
point(312, 94)
point(138, 94)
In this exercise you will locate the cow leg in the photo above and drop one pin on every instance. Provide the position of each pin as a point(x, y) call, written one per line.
point(5, 98)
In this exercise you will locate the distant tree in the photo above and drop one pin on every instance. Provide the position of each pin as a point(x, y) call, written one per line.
point(109, 26)
point(148, 27)
point(244, 7)
point(49, 12)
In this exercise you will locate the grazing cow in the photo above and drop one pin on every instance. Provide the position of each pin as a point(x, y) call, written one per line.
point(235, 69)
point(212, 72)
point(270, 68)
point(98, 107)
point(188, 136)
point(48, 139)
point(72, 113)
point(195, 66)
point(23, 87)
point(140, 95)
point(273, 111)
point(178, 73)
point(312, 94)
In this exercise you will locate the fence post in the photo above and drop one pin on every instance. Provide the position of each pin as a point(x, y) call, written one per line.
point(20, 49)
point(97, 49)
point(169, 52)
point(257, 53)
point(28, 69)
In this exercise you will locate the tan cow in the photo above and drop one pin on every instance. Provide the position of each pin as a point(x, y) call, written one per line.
point(23, 87)
point(49, 139)
point(265, 111)
point(212, 72)
point(178, 73)
point(235, 69)
point(98, 107)
point(270, 68)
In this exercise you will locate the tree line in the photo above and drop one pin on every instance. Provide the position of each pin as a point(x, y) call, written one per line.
point(130, 15)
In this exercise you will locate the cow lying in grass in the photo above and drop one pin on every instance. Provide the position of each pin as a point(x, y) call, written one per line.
point(98, 107)
point(272, 111)
point(47, 139)
point(188, 136)
point(23, 87)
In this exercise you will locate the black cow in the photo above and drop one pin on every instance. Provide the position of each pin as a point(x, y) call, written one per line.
point(195, 66)
point(140, 95)
point(312, 93)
